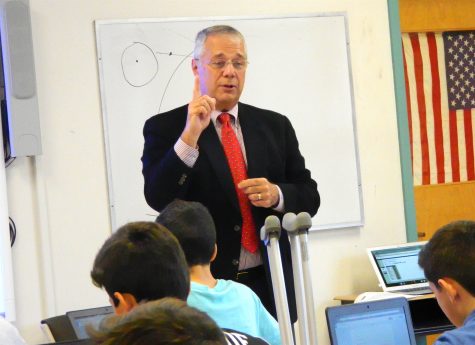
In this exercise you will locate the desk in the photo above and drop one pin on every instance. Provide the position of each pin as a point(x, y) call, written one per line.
point(427, 317)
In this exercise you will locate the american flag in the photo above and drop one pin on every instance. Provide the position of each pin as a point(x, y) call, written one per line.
point(439, 71)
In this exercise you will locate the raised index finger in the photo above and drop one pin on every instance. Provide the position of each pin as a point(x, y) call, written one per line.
point(196, 88)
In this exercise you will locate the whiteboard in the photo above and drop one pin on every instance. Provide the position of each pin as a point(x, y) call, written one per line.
point(299, 66)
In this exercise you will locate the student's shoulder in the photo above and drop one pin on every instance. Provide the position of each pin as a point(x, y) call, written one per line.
point(240, 338)
point(9, 334)
point(230, 284)
point(246, 295)
point(458, 336)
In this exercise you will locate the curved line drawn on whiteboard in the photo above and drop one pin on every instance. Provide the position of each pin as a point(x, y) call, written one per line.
point(173, 73)
point(139, 64)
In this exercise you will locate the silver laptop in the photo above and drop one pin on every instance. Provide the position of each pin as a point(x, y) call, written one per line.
point(371, 323)
point(397, 269)
point(81, 318)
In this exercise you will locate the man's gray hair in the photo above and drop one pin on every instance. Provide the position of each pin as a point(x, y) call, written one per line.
point(213, 30)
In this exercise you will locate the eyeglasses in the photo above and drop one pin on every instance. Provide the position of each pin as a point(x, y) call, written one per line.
point(221, 64)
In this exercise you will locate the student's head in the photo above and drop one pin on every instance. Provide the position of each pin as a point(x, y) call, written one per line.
point(193, 226)
point(220, 61)
point(448, 261)
point(168, 321)
point(141, 261)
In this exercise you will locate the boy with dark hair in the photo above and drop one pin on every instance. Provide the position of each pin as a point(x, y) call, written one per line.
point(142, 262)
point(168, 321)
point(448, 261)
point(229, 303)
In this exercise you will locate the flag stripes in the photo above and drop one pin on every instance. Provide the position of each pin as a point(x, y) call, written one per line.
point(442, 143)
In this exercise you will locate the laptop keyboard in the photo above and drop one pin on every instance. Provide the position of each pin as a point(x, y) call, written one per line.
point(416, 291)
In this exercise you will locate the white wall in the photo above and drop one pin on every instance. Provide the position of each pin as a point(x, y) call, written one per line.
point(59, 201)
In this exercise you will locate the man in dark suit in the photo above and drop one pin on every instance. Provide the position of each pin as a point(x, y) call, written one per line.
point(243, 163)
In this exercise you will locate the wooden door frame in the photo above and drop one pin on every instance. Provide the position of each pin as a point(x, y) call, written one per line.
point(402, 121)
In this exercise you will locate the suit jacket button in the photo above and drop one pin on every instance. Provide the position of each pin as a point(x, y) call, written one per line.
point(182, 179)
point(235, 262)
point(237, 228)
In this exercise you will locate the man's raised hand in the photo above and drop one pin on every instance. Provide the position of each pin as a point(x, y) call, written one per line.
point(199, 115)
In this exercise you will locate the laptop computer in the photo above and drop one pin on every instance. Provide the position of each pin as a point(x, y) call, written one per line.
point(397, 269)
point(371, 323)
point(79, 319)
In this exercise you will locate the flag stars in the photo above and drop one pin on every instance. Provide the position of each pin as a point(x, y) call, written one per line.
point(459, 49)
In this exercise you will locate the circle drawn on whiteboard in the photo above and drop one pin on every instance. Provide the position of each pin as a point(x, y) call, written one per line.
point(139, 64)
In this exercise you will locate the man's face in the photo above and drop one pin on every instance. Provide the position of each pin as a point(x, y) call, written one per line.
point(222, 69)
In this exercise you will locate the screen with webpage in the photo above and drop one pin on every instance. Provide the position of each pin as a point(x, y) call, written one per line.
point(383, 327)
point(399, 266)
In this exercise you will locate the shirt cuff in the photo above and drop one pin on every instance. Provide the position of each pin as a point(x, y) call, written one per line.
point(186, 153)
point(280, 205)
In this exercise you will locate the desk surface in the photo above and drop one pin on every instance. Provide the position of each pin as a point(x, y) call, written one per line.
point(346, 299)
point(427, 317)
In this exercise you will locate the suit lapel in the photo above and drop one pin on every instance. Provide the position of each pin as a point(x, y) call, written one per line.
point(254, 142)
point(211, 145)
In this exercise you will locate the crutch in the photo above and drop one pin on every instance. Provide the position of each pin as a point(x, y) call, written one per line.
point(270, 234)
point(289, 224)
point(297, 228)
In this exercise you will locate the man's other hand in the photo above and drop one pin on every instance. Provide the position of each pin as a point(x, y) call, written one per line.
point(260, 191)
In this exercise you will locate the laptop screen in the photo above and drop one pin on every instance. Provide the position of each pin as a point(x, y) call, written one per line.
point(379, 322)
point(81, 318)
point(398, 265)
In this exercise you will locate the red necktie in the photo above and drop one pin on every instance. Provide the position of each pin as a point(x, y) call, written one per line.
point(233, 152)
